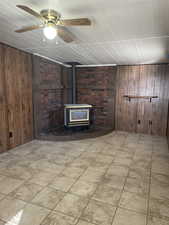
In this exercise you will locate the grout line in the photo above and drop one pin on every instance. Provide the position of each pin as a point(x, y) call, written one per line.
point(132, 210)
point(121, 189)
point(148, 202)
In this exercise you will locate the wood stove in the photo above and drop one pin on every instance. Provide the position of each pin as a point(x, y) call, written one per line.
point(76, 115)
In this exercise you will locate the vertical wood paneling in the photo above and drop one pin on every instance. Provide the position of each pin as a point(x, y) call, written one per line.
point(18, 84)
point(36, 96)
point(144, 80)
point(146, 88)
point(160, 105)
point(26, 97)
point(126, 111)
point(133, 82)
point(167, 101)
point(13, 95)
point(3, 106)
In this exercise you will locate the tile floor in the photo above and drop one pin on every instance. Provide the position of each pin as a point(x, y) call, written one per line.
point(116, 179)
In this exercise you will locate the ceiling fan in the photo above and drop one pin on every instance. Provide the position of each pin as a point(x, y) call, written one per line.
point(52, 23)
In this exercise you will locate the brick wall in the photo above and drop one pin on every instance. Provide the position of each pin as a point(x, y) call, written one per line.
point(51, 90)
point(96, 86)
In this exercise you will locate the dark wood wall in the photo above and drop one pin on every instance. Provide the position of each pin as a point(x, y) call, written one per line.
point(168, 128)
point(51, 90)
point(96, 86)
point(16, 123)
point(3, 106)
point(141, 115)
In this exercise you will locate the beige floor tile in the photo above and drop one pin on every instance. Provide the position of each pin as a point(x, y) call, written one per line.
point(48, 198)
point(2, 196)
point(10, 208)
point(158, 178)
point(42, 178)
point(131, 145)
point(159, 187)
point(139, 173)
point(122, 161)
point(106, 159)
point(107, 194)
point(2, 177)
point(82, 222)
point(83, 188)
point(56, 218)
point(62, 183)
point(80, 163)
point(157, 221)
point(133, 201)
point(26, 191)
point(8, 184)
point(72, 205)
point(99, 166)
point(72, 172)
point(160, 167)
point(118, 170)
point(92, 175)
point(99, 213)
point(89, 156)
point(139, 186)
point(160, 191)
point(32, 214)
point(159, 208)
point(141, 163)
point(122, 153)
point(125, 217)
point(47, 166)
point(108, 150)
point(19, 172)
point(114, 181)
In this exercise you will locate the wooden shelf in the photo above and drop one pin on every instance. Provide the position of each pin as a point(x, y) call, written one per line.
point(140, 97)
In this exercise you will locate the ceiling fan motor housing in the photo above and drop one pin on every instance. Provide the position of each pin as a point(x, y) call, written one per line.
point(51, 16)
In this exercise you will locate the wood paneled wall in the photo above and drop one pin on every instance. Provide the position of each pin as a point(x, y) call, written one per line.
point(16, 117)
point(4, 136)
point(143, 80)
point(126, 84)
point(168, 128)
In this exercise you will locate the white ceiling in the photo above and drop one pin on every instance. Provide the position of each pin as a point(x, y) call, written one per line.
point(123, 31)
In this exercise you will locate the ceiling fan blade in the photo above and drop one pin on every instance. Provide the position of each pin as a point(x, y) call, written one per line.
point(75, 22)
point(33, 27)
point(30, 11)
point(64, 34)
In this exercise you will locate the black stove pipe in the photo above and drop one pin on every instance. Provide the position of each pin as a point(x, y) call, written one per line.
point(73, 80)
point(73, 83)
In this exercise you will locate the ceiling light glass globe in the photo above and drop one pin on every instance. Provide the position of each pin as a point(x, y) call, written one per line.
point(50, 32)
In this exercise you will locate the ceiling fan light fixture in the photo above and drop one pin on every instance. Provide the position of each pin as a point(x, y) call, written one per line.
point(52, 23)
point(50, 32)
